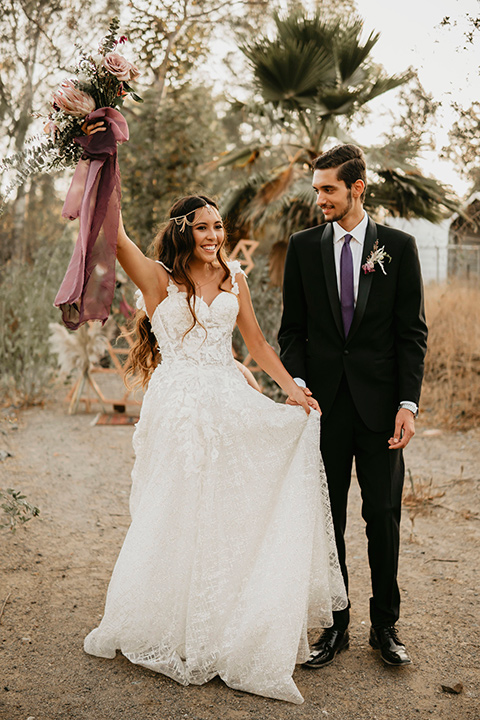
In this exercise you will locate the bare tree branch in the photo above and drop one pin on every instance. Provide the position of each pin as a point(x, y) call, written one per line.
point(39, 27)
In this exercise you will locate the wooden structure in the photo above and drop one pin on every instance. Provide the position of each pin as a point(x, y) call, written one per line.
point(79, 391)
point(243, 252)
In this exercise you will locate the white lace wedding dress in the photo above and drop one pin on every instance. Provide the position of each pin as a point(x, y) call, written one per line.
point(230, 555)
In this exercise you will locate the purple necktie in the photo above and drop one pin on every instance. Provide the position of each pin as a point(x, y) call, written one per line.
point(346, 284)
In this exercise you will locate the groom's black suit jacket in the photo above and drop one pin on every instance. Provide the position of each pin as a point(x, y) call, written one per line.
point(383, 356)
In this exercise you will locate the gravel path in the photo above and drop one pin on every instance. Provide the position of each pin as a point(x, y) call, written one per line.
point(55, 572)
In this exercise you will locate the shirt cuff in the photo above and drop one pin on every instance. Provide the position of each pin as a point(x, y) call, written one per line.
point(409, 405)
point(300, 382)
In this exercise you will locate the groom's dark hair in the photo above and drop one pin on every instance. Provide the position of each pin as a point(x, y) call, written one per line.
point(350, 161)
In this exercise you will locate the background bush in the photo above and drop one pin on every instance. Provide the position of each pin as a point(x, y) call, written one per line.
point(27, 292)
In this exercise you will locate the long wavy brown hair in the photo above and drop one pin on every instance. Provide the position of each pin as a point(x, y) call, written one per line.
point(174, 247)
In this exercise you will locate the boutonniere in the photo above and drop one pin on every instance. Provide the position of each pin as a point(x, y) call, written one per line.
point(376, 257)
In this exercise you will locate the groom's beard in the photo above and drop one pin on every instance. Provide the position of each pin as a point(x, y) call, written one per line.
point(342, 210)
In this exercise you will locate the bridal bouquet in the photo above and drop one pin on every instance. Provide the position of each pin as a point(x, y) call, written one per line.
point(100, 80)
point(97, 89)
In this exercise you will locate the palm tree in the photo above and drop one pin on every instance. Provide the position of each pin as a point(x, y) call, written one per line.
point(311, 79)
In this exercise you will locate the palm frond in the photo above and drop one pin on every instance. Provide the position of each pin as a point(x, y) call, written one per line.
point(318, 66)
point(235, 197)
point(260, 109)
point(241, 157)
point(285, 199)
point(291, 72)
point(411, 195)
point(350, 53)
point(395, 154)
point(303, 29)
point(383, 84)
point(276, 187)
point(338, 101)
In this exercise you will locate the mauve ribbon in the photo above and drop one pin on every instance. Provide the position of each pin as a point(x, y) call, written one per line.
point(86, 292)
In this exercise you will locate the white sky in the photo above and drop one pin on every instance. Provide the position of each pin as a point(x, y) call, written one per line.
point(447, 64)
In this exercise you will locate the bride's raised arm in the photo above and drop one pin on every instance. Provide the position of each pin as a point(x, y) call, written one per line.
point(150, 277)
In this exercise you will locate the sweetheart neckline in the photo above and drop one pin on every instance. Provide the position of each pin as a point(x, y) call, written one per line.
point(198, 297)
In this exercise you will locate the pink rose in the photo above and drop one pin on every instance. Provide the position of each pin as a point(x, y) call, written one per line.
point(117, 65)
point(72, 100)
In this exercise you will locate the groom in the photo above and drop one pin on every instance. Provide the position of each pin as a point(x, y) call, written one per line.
point(353, 334)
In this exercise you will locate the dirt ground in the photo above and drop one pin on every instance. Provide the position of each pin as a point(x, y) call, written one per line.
point(54, 574)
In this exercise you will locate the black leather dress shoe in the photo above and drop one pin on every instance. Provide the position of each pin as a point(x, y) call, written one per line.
point(328, 644)
point(391, 648)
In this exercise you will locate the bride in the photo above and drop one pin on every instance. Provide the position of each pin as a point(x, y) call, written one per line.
point(230, 554)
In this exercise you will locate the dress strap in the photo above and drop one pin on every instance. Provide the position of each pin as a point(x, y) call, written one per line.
point(235, 268)
point(139, 299)
point(169, 271)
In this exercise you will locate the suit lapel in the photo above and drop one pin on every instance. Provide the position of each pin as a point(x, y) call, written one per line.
point(365, 279)
point(326, 244)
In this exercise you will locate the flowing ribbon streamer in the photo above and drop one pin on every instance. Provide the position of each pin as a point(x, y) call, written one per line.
point(86, 292)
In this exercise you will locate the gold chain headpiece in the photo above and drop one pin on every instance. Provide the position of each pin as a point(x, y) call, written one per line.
point(182, 220)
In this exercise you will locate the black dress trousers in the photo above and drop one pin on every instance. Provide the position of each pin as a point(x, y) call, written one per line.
point(380, 474)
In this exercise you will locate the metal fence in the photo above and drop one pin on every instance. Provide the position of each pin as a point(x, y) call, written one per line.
point(464, 262)
point(450, 261)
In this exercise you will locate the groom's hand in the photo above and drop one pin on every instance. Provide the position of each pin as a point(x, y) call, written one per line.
point(404, 429)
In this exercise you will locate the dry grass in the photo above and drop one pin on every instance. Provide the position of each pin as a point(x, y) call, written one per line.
point(418, 497)
point(451, 388)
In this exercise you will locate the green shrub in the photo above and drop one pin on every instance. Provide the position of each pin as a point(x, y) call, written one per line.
point(27, 292)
